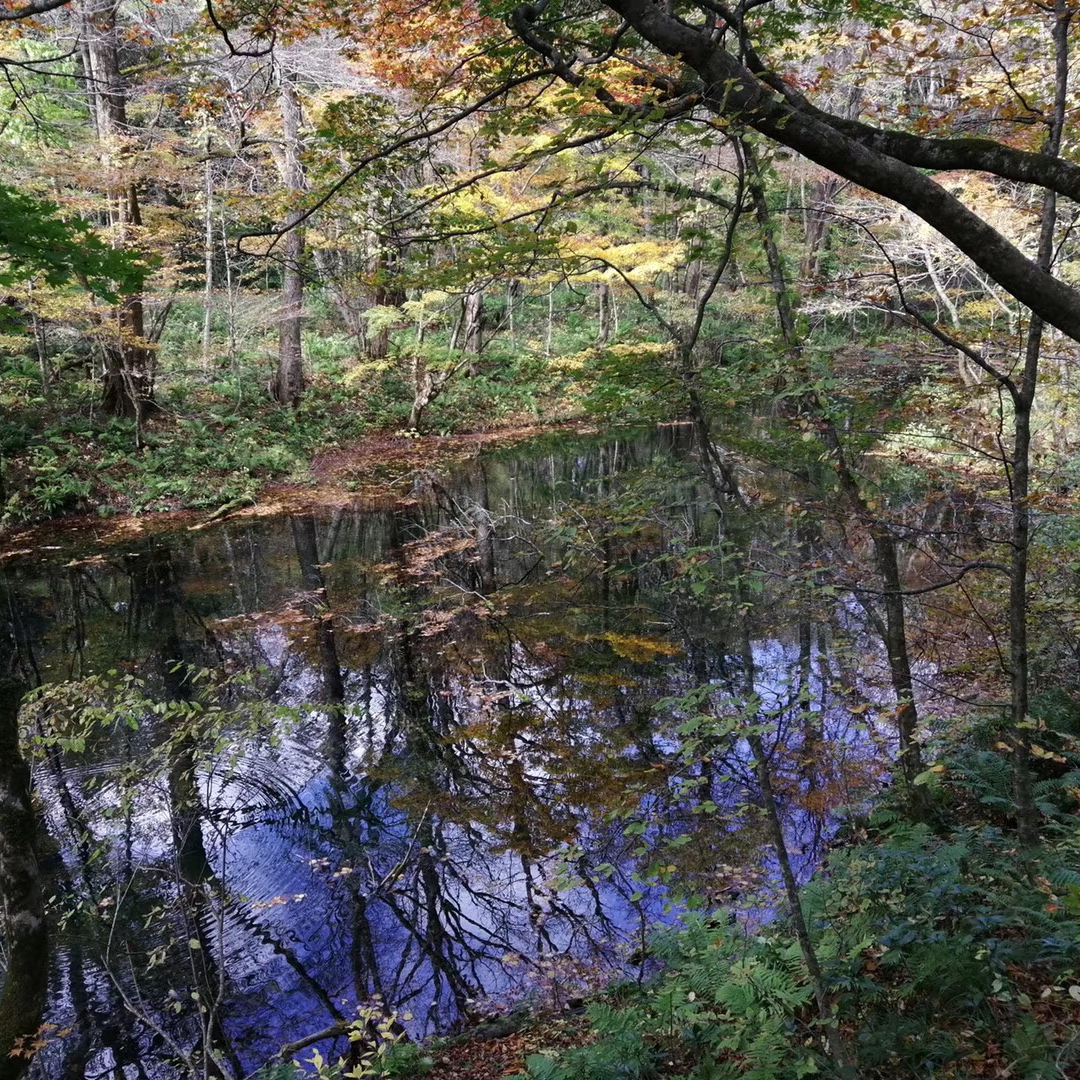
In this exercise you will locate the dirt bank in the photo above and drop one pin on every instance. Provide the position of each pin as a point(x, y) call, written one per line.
point(374, 472)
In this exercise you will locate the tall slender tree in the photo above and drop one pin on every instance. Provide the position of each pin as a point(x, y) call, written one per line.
point(289, 380)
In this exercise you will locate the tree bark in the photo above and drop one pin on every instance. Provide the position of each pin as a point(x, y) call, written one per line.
point(41, 345)
point(230, 292)
point(423, 394)
point(835, 1041)
point(289, 380)
point(606, 303)
point(1020, 485)
point(348, 303)
point(817, 225)
point(895, 626)
point(719, 474)
point(129, 382)
point(208, 252)
point(474, 326)
point(388, 293)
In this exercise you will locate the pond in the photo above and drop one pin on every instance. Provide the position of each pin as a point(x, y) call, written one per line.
point(424, 762)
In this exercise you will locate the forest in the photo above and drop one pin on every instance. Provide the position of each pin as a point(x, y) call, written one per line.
point(539, 540)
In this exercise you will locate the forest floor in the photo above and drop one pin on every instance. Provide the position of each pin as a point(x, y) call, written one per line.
point(480, 1055)
point(374, 472)
point(365, 460)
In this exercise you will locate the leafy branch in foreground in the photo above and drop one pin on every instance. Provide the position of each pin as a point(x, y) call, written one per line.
point(35, 241)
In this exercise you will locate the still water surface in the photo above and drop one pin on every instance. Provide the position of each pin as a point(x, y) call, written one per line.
point(414, 796)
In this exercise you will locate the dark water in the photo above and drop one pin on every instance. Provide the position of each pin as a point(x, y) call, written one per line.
point(424, 738)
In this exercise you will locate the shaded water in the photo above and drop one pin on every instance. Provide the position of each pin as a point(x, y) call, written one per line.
point(444, 768)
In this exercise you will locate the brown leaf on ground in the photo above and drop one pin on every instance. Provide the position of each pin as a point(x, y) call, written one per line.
point(493, 1059)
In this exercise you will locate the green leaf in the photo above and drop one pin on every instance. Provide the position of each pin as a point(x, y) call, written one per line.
point(36, 242)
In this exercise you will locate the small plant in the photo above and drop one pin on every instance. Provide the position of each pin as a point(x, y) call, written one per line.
point(403, 1060)
point(57, 483)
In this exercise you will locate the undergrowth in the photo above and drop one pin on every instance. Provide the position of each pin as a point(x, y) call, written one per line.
point(218, 437)
point(946, 954)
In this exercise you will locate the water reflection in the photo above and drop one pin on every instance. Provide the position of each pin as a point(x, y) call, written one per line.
point(432, 788)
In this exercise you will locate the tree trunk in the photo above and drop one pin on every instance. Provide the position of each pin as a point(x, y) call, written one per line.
point(423, 393)
point(474, 326)
point(884, 544)
point(818, 219)
point(607, 312)
point(208, 252)
point(777, 273)
point(692, 281)
point(388, 293)
point(331, 275)
point(1020, 486)
point(483, 523)
point(22, 908)
point(289, 380)
point(230, 292)
point(894, 628)
point(155, 586)
point(129, 383)
point(719, 474)
point(41, 344)
point(1026, 814)
point(817, 225)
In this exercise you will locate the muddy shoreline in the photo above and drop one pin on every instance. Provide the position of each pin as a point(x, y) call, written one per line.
point(374, 472)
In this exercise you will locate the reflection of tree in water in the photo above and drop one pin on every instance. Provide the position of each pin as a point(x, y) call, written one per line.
point(22, 914)
point(470, 688)
point(100, 1025)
